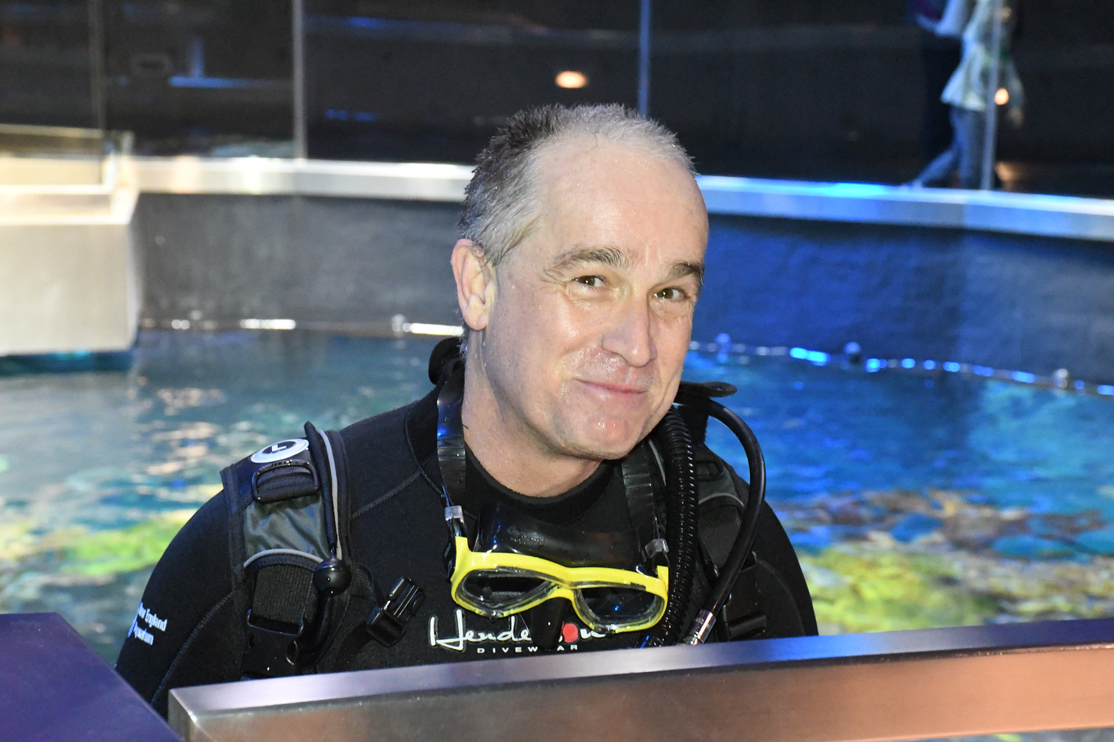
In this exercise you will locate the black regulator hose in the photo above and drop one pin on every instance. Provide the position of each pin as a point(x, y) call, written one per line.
point(748, 529)
point(680, 535)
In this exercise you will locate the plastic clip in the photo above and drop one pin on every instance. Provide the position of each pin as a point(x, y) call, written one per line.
point(387, 623)
point(454, 516)
point(272, 650)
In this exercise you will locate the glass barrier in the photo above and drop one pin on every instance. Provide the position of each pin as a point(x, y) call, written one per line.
point(46, 64)
point(430, 81)
point(793, 89)
point(840, 91)
point(200, 77)
point(1064, 54)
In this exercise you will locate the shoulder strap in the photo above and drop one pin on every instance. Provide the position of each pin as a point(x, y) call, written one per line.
point(288, 494)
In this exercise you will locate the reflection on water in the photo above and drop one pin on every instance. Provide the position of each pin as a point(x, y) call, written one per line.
point(915, 500)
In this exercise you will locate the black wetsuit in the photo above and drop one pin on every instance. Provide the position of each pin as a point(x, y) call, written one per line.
point(190, 628)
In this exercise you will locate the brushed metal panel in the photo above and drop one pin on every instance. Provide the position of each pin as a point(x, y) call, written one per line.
point(263, 176)
point(899, 685)
point(66, 287)
point(67, 273)
point(50, 171)
point(52, 207)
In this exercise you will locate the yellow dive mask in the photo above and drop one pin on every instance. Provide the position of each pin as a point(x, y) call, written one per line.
point(520, 562)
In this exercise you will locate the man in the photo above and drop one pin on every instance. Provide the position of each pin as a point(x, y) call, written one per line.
point(531, 474)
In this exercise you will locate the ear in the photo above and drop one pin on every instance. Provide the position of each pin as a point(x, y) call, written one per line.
point(475, 284)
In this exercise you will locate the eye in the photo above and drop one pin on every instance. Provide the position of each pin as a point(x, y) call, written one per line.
point(592, 282)
point(671, 294)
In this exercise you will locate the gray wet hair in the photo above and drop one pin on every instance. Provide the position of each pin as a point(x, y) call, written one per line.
point(501, 203)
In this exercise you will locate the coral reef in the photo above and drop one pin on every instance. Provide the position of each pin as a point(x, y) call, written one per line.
point(895, 559)
point(93, 578)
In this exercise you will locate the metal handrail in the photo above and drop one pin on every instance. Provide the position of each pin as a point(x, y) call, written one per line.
point(851, 688)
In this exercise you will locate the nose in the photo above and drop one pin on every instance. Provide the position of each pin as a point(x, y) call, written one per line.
point(630, 335)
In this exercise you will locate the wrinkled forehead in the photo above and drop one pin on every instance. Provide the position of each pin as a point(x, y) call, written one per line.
point(584, 178)
point(587, 192)
point(582, 159)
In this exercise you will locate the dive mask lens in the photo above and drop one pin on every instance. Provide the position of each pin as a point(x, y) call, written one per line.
point(503, 590)
point(616, 606)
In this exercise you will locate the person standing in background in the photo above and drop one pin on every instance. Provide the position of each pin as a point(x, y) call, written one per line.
point(940, 55)
point(967, 90)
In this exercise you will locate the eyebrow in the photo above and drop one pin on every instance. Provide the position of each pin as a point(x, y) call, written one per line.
point(612, 256)
point(617, 258)
point(680, 270)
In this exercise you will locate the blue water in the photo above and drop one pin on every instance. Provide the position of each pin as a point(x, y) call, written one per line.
point(936, 461)
point(831, 432)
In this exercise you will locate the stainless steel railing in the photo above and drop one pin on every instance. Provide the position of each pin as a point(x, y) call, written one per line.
point(890, 686)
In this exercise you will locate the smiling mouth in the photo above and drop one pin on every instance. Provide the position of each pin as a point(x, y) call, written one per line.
point(614, 388)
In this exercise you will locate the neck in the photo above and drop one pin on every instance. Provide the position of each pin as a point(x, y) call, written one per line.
point(514, 456)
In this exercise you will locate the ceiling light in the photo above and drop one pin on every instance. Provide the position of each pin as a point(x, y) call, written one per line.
point(571, 79)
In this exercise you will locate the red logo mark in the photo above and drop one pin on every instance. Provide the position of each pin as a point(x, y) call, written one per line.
point(570, 633)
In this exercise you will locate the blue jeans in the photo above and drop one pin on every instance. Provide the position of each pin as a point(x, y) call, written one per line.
point(964, 154)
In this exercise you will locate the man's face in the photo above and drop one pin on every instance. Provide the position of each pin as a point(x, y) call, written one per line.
point(592, 314)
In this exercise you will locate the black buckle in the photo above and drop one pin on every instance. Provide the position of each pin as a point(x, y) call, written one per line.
point(284, 480)
point(272, 650)
point(387, 624)
point(744, 616)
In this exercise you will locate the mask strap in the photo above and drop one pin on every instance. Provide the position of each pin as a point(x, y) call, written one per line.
point(451, 456)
